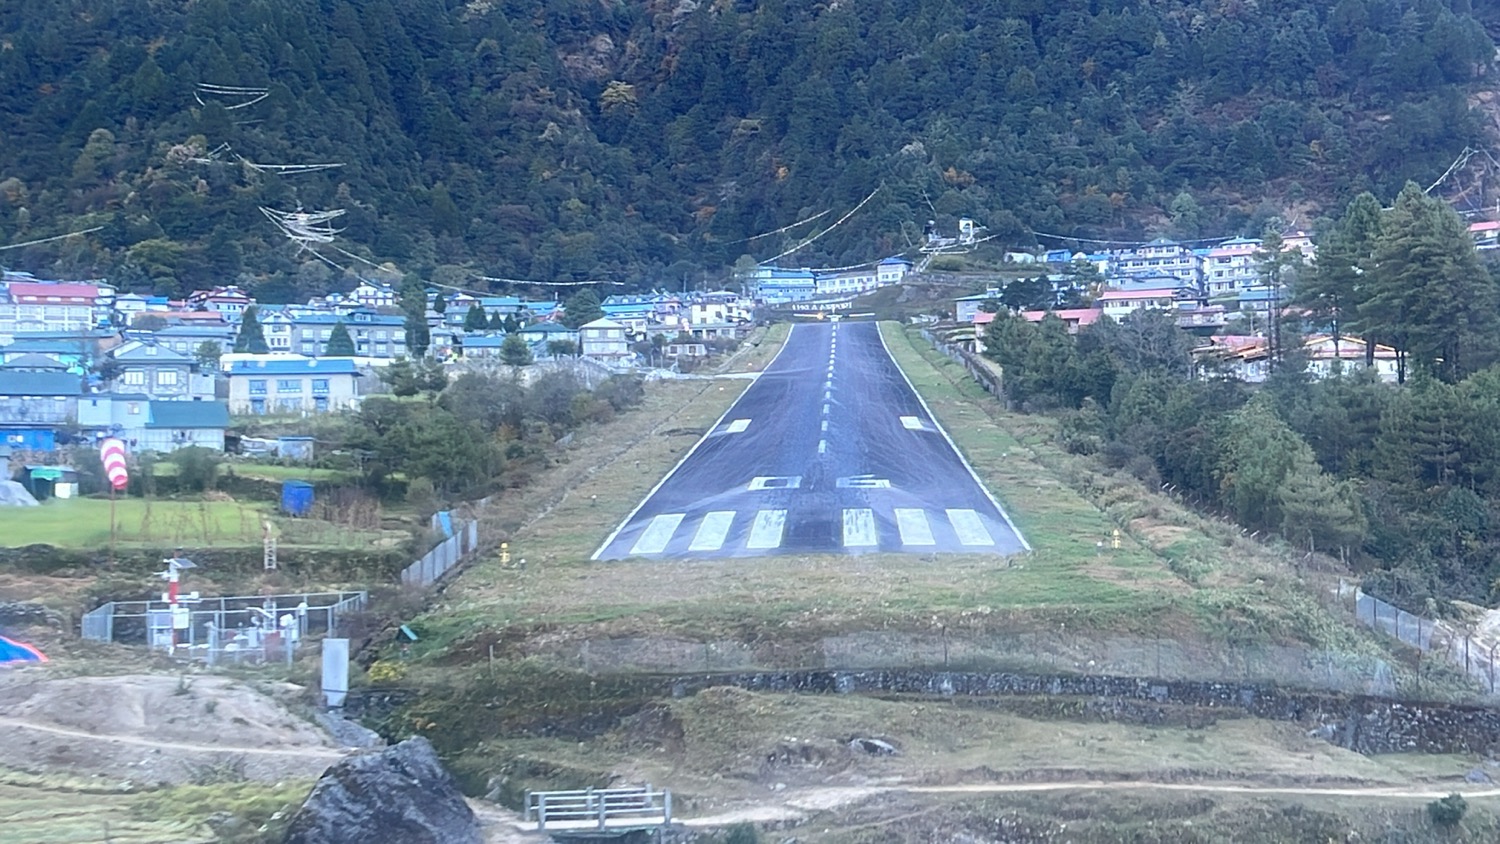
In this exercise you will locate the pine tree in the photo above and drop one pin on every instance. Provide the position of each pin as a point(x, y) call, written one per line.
point(496, 322)
point(252, 338)
point(1318, 512)
point(440, 303)
point(1338, 284)
point(413, 299)
point(1431, 299)
point(514, 351)
point(474, 318)
point(581, 308)
point(340, 344)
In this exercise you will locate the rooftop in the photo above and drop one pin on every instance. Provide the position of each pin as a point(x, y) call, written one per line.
point(39, 384)
point(189, 414)
point(318, 366)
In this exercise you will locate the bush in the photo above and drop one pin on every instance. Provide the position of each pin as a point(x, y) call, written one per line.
point(1447, 811)
point(197, 468)
point(742, 833)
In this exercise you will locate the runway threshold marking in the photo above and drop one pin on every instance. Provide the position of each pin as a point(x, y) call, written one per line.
point(859, 528)
point(712, 531)
point(789, 482)
point(912, 523)
point(766, 531)
point(654, 539)
point(911, 423)
point(969, 527)
point(738, 426)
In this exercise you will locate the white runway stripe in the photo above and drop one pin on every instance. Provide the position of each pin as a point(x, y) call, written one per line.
point(658, 533)
point(859, 528)
point(969, 527)
point(766, 531)
point(738, 426)
point(911, 423)
point(914, 527)
point(712, 530)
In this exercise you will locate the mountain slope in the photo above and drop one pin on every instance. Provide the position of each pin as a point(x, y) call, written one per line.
point(583, 140)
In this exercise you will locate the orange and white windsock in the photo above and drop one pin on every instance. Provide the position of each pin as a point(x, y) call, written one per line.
point(112, 452)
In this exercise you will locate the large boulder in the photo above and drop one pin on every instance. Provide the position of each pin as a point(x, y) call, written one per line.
point(401, 794)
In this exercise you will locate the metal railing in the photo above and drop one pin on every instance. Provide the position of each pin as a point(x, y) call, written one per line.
point(607, 808)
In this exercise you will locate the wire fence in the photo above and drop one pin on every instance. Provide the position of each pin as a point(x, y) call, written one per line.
point(1475, 655)
point(245, 628)
point(463, 539)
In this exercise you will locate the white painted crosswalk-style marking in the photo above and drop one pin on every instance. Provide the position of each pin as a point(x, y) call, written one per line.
point(712, 531)
point(825, 410)
point(654, 539)
point(969, 527)
point(788, 482)
point(859, 528)
point(738, 426)
point(914, 527)
point(822, 446)
point(765, 532)
point(825, 425)
point(911, 423)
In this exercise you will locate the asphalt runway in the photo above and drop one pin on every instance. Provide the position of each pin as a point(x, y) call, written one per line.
point(830, 450)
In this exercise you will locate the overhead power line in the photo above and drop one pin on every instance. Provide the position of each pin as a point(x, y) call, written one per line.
point(836, 224)
point(50, 239)
point(780, 230)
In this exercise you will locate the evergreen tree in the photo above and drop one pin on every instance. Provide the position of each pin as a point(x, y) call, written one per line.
point(1317, 512)
point(1430, 299)
point(208, 354)
point(252, 338)
point(514, 351)
point(440, 303)
point(475, 319)
point(413, 300)
point(496, 322)
point(581, 308)
point(340, 344)
point(1339, 281)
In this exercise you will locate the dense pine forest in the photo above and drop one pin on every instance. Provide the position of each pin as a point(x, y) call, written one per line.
point(644, 142)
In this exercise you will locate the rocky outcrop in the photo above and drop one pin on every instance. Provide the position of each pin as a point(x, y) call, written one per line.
point(402, 794)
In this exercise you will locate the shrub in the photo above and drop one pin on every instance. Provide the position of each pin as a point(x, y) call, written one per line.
point(197, 468)
point(1448, 811)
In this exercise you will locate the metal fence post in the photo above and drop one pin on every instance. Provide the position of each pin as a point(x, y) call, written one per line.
point(541, 812)
point(666, 802)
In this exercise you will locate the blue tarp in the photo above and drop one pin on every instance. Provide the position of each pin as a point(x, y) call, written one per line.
point(12, 651)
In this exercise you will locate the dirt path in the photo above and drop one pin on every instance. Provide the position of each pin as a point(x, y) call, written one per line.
point(301, 752)
point(798, 806)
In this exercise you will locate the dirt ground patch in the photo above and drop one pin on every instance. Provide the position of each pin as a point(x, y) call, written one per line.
point(153, 729)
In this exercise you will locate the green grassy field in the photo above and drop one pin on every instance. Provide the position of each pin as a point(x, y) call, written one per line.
point(1175, 578)
point(84, 523)
point(59, 809)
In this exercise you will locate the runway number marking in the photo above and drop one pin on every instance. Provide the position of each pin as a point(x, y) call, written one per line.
point(738, 426)
point(911, 423)
point(863, 482)
point(969, 527)
point(712, 531)
point(654, 539)
point(766, 530)
point(859, 528)
point(790, 482)
point(914, 527)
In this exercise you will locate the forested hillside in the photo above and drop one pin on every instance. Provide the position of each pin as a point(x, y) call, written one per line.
point(645, 141)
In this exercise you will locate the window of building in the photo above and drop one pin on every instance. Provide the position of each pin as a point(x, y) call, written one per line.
point(134, 378)
point(166, 377)
point(288, 385)
point(320, 386)
point(258, 387)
